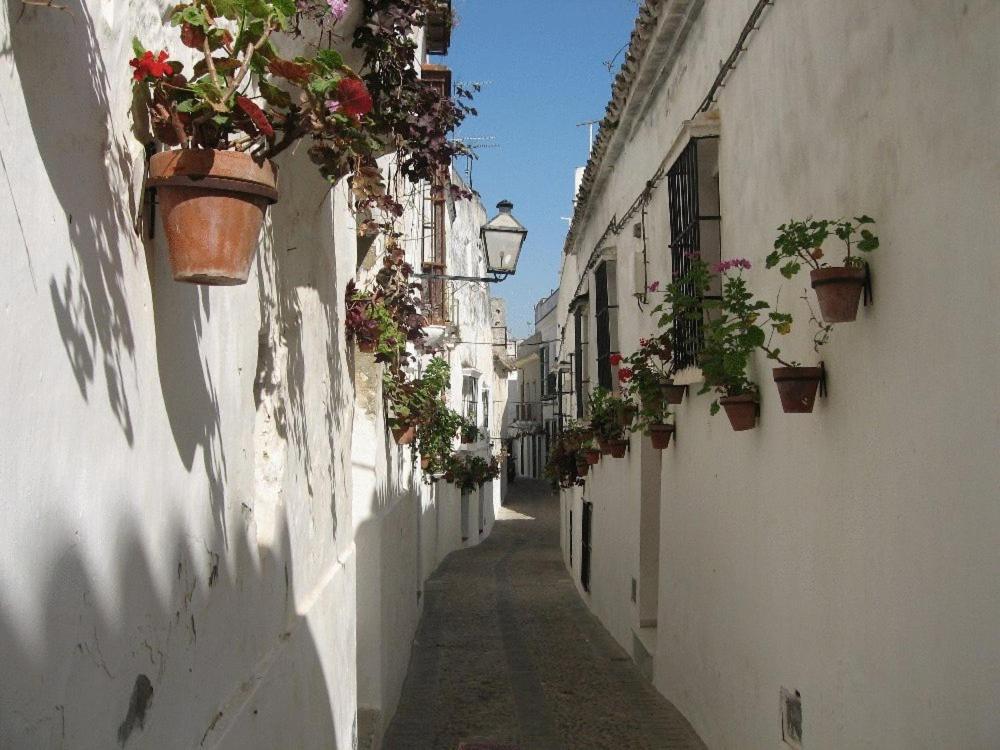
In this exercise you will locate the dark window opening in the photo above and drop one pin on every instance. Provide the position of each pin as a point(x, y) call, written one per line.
point(580, 359)
point(588, 517)
point(606, 313)
point(695, 230)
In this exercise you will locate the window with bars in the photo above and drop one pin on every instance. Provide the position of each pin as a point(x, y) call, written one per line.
point(581, 376)
point(470, 395)
point(485, 427)
point(695, 230)
point(606, 314)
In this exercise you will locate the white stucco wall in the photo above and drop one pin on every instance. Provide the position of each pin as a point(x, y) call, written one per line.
point(181, 498)
point(172, 471)
point(850, 554)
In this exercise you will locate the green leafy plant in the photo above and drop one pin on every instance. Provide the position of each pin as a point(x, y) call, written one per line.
point(731, 331)
point(801, 242)
point(610, 415)
point(469, 430)
point(647, 372)
point(566, 465)
point(468, 471)
point(212, 107)
point(436, 433)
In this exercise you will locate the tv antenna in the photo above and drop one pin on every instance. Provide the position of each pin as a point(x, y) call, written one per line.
point(590, 124)
point(474, 145)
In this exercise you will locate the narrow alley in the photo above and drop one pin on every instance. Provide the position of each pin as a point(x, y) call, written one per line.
point(507, 655)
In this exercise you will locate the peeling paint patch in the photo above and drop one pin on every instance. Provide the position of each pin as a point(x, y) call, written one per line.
point(138, 704)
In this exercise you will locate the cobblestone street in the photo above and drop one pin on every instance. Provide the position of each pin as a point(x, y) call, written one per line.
point(507, 653)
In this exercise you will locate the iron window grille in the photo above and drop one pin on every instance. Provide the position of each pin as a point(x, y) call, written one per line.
point(606, 313)
point(695, 232)
point(580, 359)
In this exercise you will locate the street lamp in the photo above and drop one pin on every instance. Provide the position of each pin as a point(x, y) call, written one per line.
point(503, 238)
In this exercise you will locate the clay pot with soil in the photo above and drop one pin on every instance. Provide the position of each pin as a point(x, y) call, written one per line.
point(659, 435)
point(617, 448)
point(404, 434)
point(797, 387)
point(839, 292)
point(593, 455)
point(741, 410)
point(212, 205)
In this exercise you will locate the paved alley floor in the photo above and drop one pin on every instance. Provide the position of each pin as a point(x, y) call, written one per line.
point(506, 652)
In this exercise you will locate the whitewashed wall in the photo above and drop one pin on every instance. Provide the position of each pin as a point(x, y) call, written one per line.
point(179, 492)
point(850, 554)
point(404, 527)
point(177, 565)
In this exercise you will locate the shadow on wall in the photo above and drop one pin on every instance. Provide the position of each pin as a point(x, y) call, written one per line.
point(300, 294)
point(185, 653)
point(65, 84)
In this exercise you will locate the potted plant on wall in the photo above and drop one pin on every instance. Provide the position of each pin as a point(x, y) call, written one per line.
point(469, 431)
point(838, 288)
point(214, 188)
point(609, 418)
point(436, 433)
point(567, 464)
point(797, 385)
point(731, 337)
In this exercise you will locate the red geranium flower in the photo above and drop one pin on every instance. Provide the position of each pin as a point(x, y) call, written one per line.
point(354, 97)
point(616, 359)
point(625, 374)
point(153, 67)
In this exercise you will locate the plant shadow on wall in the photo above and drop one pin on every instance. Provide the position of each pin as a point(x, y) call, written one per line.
point(89, 169)
point(298, 296)
point(178, 649)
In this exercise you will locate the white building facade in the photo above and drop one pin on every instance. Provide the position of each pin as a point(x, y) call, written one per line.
point(840, 564)
point(210, 538)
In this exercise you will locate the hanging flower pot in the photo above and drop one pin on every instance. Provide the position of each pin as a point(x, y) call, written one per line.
point(797, 387)
point(212, 205)
point(593, 455)
point(617, 448)
point(839, 292)
point(741, 410)
point(627, 415)
point(582, 467)
point(367, 346)
point(660, 434)
point(425, 462)
point(674, 394)
point(404, 434)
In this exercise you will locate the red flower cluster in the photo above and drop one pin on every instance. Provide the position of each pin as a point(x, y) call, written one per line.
point(625, 374)
point(153, 67)
point(354, 97)
point(616, 359)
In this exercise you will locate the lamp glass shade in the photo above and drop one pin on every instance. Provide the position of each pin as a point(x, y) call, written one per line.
point(503, 238)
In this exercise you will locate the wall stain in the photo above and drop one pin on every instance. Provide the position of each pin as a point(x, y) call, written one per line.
point(138, 704)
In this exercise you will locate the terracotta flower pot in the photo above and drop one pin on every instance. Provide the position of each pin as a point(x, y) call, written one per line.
point(741, 410)
point(674, 394)
point(660, 434)
point(797, 387)
point(839, 292)
point(593, 456)
point(212, 205)
point(367, 346)
point(404, 434)
point(582, 467)
point(425, 462)
point(618, 448)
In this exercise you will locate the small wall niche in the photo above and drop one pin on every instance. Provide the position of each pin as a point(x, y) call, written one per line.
point(791, 718)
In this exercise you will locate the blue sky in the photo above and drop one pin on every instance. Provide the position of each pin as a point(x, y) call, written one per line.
point(544, 61)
